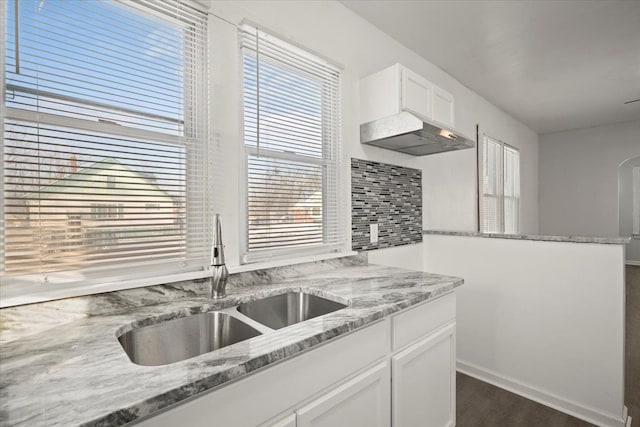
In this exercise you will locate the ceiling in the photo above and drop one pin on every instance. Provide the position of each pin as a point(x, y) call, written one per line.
point(554, 65)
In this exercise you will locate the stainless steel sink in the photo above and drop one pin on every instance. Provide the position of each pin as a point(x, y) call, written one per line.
point(286, 309)
point(183, 338)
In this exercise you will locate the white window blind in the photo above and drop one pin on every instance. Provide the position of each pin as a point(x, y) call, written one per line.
point(511, 189)
point(292, 111)
point(500, 199)
point(105, 115)
point(491, 187)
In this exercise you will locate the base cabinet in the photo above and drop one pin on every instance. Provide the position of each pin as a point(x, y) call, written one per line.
point(399, 371)
point(361, 402)
point(424, 382)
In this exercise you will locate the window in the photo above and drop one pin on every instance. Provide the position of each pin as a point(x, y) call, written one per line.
point(105, 113)
point(500, 188)
point(292, 109)
point(105, 211)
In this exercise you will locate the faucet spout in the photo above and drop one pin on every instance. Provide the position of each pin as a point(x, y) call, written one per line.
point(217, 248)
point(220, 273)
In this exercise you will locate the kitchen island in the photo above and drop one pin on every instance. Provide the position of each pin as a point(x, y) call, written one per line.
point(541, 316)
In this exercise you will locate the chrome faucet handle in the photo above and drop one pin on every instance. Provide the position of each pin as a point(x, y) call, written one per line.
point(220, 273)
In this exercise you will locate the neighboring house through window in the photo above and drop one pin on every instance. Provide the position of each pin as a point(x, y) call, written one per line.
point(106, 211)
point(500, 187)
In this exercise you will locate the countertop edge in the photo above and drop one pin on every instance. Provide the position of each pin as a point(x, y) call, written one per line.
point(534, 237)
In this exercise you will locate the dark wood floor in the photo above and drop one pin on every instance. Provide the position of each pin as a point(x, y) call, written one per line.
point(482, 405)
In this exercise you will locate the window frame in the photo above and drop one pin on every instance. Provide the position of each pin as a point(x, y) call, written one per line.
point(500, 179)
point(135, 275)
point(331, 158)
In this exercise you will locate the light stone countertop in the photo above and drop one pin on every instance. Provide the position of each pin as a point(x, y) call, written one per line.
point(61, 362)
point(569, 239)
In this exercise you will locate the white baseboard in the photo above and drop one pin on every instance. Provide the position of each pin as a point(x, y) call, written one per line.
point(563, 405)
point(632, 262)
point(627, 417)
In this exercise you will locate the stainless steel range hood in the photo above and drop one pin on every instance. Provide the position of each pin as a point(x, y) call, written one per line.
point(409, 134)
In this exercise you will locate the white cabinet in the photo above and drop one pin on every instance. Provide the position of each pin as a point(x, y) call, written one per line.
point(363, 401)
point(380, 94)
point(417, 94)
point(412, 325)
point(424, 382)
point(396, 89)
point(443, 107)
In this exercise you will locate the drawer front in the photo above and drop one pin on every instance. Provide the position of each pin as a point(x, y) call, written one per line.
point(416, 322)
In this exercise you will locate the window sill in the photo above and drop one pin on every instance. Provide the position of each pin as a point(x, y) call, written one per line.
point(43, 293)
point(39, 294)
point(260, 265)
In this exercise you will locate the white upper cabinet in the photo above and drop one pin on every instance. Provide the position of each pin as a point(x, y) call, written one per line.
point(443, 107)
point(396, 89)
point(417, 94)
point(380, 94)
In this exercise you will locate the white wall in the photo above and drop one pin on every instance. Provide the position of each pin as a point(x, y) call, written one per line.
point(333, 31)
point(543, 319)
point(449, 179)
point(410, 257)
point(579, 178)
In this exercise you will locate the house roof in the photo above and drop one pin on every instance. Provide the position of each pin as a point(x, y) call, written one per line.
point(67, 180)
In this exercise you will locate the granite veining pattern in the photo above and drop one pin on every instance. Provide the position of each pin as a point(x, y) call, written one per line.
point(61, 362)
point(569, 239)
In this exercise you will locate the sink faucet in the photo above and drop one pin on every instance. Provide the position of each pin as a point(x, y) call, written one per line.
point(220, 274)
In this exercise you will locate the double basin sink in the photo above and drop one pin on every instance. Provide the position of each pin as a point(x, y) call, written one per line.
point(174, 340)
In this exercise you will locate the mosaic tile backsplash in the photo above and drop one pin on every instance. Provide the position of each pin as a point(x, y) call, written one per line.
point(390, 196)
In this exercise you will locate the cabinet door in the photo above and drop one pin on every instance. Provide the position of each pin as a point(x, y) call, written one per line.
point(363, 401)
point(443, 107)
point(416, 94)
point(424, 382)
